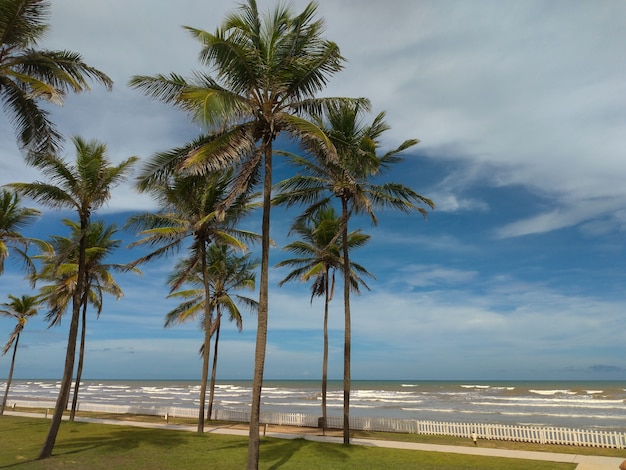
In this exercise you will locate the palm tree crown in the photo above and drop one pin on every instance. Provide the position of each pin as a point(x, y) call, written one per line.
point(84, 186)
point(13, 218)
point(28, 74)
point(350, 178)
point(20, 308)
point(319, 251)
point(226, 272)
point(267, 70)
point(192, 206)
point(60, 266)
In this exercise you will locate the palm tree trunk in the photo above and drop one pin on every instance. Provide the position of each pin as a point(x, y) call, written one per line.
point(261, 332)
point(347, 330)
point(207, 340)
point(81, 357)
point(10, 378)
point(218, 320)
point(325, 359)
point(66, 382)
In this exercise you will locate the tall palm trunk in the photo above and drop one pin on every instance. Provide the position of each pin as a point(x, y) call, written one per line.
point(10, 378)
point(218, 321)
point(81, 358)
point(325, 358)
point(207, 340)
point(261, 332)
point(347, 328)
point(66, 382)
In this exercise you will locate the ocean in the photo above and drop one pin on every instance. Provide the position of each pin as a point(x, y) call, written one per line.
point(589, 405)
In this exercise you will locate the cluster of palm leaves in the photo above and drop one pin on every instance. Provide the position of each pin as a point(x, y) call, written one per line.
point(266, 72)
point(29, 74)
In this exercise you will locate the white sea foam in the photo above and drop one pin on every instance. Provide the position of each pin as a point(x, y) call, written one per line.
point(553, 392)
point(576, 405)
point(607, 405)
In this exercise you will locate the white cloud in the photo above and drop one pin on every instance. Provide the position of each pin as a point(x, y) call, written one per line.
point(428, 275)
point(527, 95)
point(566, 216)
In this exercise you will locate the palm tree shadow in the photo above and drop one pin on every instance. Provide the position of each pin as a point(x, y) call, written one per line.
point(281, 451)
point(120, 440)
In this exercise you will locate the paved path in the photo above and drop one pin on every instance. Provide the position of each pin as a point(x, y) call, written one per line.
point(585, 462)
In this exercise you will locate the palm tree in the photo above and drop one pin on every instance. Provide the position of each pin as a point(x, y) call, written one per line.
point(84, 187)
point(190, 209)
point(226, 272)
point(319, 252)
point(267, 71)
point(28, 75)
point(20, 308)
point(13, 218)
point(349, 179)
point(60, 267)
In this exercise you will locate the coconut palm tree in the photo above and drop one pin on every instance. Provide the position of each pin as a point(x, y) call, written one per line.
point(267, 71)
point(84, 186)
point(349, 179)
point(60, 267)
point(29, 74)
point(191, 210)
point(319, 252)
point(226, 272)
point(13, 218)
point(20, 308)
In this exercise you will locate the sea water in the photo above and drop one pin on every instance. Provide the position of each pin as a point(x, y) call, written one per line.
point(579, 405)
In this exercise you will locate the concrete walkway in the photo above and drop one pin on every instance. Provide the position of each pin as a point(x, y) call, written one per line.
point(585, 462)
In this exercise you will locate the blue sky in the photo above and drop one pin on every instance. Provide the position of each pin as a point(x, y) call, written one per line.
point(519, 272)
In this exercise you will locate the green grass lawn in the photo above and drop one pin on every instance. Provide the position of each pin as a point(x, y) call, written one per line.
point(492, 444)
point(96, 446)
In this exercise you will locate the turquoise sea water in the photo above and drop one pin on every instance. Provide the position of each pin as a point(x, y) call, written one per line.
point(580, 405)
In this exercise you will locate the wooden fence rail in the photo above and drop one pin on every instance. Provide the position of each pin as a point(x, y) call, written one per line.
point(504, 432)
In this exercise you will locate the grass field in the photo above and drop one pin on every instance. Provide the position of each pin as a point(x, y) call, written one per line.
point(385, 436)
point(97, 446)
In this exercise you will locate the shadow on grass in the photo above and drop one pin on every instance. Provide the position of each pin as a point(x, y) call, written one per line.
point(279, 452)
point(77, 439)
point(103, 447)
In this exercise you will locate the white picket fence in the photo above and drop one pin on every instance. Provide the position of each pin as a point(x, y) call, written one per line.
point(536, 434)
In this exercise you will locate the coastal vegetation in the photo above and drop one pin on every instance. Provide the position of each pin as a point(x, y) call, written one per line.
point(266, 72)
point(21, 309)
point(319, 249)
point(192, 207)
point(84, 187)
point(59, 267)
point(349, 179)
point(226, 272)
